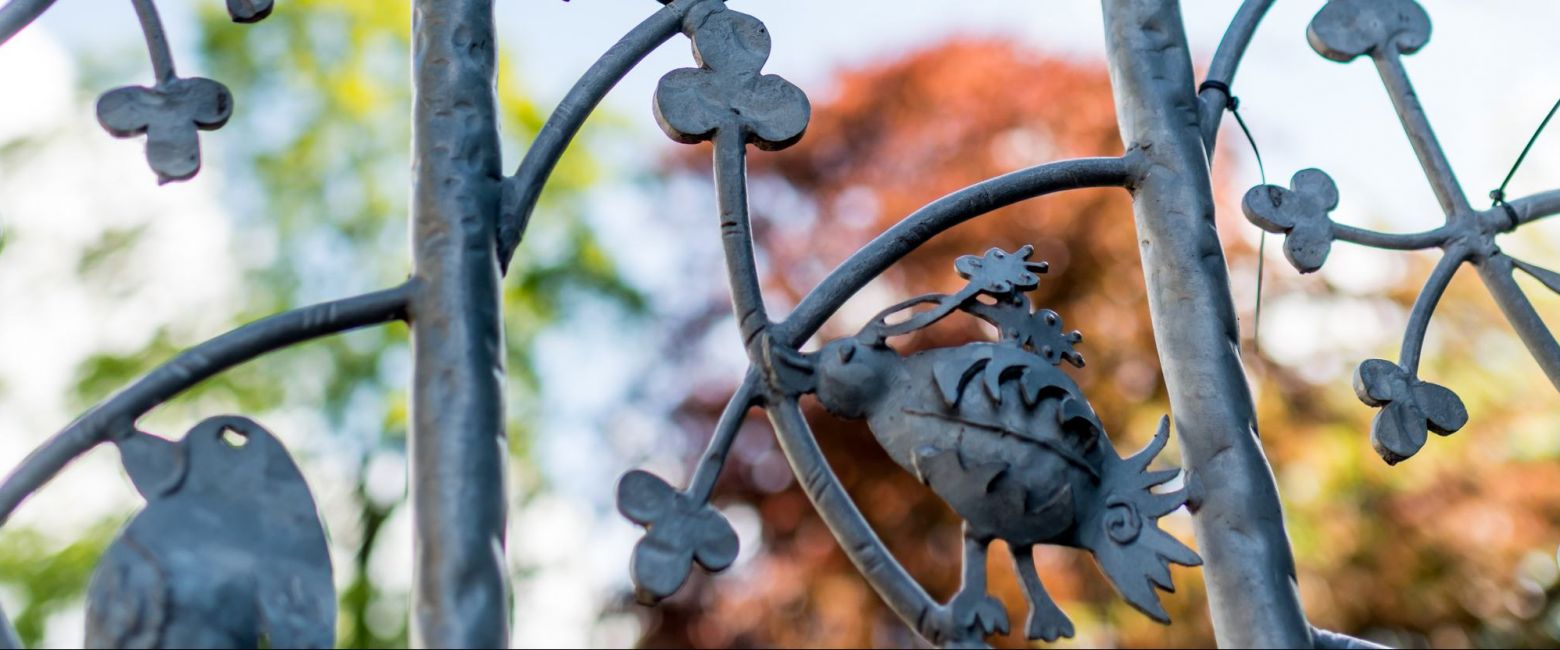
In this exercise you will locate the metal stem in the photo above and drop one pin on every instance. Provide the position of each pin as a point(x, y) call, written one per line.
point(1496, 271)
point(156, 41)
point(1249, 568)
point(117, 414)
point(1537, 206)
point(1394, 241)
point(1438, 170)
point(1232, 48)
point(934, 218)
point(18, 14)
point(747, 297)
point(860, 543)
point(460, 593)
point(522, 191)
point(703, 482)
point(1424, 307)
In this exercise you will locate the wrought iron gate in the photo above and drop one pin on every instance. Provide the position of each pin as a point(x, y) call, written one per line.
point(995, 428)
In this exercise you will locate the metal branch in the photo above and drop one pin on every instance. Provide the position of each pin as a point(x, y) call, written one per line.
point(1438, 170)
point(934, 218)
point(747, 297)
point(459, 497)
point(117, 414)
point(1537, 206)
point(1249, 568)
point(703, 482)
point(156, 41)
point(1393, 241)
point(1424, 307)
point(1496, 271)
point(1232, 48)
point(522, 190)
point(18, 14)
point(860, 543)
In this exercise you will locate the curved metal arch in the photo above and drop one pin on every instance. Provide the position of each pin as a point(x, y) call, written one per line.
point(116, 415)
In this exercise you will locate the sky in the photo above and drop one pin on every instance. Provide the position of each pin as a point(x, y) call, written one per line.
point(1486, 78)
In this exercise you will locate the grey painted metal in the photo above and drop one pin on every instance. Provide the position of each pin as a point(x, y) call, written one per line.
point(522, 190)
point(460, 591)
point(1213, 96)
point(1240, 528)
point(1410, 408)
point(16, 14)
point(228, 553)
point(994, 428)
point(116, 416)
point(1008, 440)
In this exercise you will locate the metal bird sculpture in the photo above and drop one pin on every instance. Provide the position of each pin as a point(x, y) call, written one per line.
point(1007, 439)
point(229, 552)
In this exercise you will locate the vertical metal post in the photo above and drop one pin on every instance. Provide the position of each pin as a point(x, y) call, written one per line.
point(460, 583)
point(1240, 528)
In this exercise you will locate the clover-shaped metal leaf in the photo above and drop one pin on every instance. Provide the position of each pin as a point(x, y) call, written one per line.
point(1345, 29)
point(249, 11)
point(169, 114)
point(728, 92)
point(678, 531)
point(999, 272)
point(1299, 213)
point(1409, 408)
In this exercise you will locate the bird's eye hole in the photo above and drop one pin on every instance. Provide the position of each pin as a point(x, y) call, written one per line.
point(846, 352)
point(234, 439)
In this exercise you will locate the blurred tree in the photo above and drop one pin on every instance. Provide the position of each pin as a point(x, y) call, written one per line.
point(316, 177)
point(1423, 552)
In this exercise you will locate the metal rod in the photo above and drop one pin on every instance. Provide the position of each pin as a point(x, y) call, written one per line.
point(860, 543)
point(1424, 307)
point(118, 413)
point(1496, 271)
point(704, 474)
point(946, 212)
point(156, 41)
point(1249, 567)
point(17, 14)
point(1537, 206)
point(1232, 48)
point(747, 297)
point(460, 593)
point(524, 188)
point(1394, 241)
point(1438, 170)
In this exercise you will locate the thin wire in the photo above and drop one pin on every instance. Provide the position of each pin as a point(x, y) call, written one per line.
point(1498, 195)
point(1233, 104)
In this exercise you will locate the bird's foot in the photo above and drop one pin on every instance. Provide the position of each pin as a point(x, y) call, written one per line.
point(971, 615)
point(1047, 622)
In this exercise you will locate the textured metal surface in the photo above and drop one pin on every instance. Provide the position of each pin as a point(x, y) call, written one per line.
point(994, 428)
point(1240, 527)
point(460, 591)
point(228, 553)
point(1410, 408)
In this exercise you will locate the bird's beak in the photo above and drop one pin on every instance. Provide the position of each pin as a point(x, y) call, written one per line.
point(156, 465)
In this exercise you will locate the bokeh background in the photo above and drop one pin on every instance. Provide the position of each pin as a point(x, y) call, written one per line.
point(623, 350)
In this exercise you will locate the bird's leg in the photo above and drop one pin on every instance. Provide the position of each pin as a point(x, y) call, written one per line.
point(1046, 620)
point(973, 612)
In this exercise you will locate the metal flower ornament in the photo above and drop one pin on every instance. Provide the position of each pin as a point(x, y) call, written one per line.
point(171, 111)
point(1385, 30)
